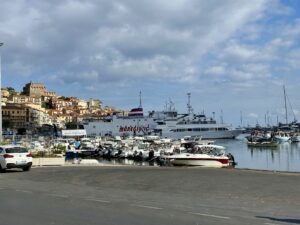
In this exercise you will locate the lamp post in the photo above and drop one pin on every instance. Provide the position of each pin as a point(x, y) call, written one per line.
point(0, 97)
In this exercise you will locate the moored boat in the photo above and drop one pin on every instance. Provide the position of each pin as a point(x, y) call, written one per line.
point(202, 155)
point(262, 144)
point(282, 137)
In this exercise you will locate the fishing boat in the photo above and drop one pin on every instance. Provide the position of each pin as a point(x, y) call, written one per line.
point(261, 139)
point(262, 144)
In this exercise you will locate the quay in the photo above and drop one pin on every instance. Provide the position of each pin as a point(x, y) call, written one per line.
point(148, 195)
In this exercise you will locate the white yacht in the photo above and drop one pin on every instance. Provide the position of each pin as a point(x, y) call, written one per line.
point(166, 124)
point(173, 125)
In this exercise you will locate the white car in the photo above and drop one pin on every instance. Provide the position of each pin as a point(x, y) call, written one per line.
point(15, 156)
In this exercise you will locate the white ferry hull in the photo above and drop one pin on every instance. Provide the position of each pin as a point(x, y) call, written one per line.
point(120, 127)
point(227, 134)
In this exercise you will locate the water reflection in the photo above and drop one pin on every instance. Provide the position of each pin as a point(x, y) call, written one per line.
point(284, 157)
point(119, 161)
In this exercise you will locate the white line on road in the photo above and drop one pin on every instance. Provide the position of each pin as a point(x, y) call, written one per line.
point(58, 196)
point(97, 200)
point(25, 191)
point(271, 224)
point(209, 215)
point(147, 206)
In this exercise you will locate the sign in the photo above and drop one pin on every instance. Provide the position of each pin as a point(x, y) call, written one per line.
point(73, 133)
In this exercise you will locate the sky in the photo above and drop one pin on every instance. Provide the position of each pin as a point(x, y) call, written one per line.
point(233, 56)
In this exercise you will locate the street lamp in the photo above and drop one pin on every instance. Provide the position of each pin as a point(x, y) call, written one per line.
point(0, 98)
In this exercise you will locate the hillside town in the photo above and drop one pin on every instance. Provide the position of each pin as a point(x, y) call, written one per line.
point(35, 109)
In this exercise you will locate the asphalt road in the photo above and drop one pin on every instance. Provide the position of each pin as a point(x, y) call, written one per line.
point(148, 195)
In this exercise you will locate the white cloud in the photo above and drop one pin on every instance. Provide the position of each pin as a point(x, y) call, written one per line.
point(194, 45)
point(215, 71)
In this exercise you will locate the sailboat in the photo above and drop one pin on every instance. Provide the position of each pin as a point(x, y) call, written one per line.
point(281, 136)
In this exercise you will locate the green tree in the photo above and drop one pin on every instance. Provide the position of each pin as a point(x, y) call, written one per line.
point(6, 124)
point(11, 91)
point(71, 125)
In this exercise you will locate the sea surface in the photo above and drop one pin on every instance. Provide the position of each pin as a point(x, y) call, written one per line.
point(285, 157)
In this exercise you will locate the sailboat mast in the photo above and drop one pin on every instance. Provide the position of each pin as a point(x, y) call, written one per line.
point(286, 117)
point(189, 103)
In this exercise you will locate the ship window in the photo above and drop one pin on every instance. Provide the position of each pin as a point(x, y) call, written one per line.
point(189, 129)
point(94, 127)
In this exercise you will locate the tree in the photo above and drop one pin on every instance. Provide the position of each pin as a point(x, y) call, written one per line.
point(11, 91)
point(6, 124)
point(71, 125)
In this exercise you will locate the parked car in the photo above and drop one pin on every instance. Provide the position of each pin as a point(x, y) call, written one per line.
point(15, 156)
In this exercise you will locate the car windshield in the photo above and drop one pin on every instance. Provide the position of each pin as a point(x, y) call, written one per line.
point(16, 150)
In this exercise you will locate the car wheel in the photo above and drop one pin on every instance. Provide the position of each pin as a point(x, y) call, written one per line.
point(27, 168)
point(1, 170)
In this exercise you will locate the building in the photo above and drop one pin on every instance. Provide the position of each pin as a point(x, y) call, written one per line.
point(37, 89)
point(4, 95)
point(60, 104)
point(16, 116)
point(26, 99)
point(94, 104)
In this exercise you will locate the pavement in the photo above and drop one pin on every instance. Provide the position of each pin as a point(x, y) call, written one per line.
point(136, 195)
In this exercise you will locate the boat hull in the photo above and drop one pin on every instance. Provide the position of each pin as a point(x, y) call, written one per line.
point(227, 134)
point(199, 160)
point(282, 139)
point(263, 144)
point(295, 139)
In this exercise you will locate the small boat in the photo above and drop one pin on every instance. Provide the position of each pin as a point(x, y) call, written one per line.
point(295, 137)
point(202, 155)
point(262, 144)
point(282, 137)
point(260, 140)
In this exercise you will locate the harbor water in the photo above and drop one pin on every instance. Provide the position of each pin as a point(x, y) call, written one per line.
point(284, 157)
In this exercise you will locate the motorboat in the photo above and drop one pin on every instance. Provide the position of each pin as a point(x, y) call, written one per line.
point(282, 137)
point(295, 137)
point(202, 155)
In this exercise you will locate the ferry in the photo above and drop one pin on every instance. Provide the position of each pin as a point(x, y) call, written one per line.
point(166, 124)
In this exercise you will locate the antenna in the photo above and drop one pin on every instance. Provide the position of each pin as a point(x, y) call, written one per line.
point(190, 109)
point(241, 118)
point(221, 116)
point(140, 106)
